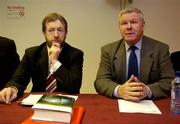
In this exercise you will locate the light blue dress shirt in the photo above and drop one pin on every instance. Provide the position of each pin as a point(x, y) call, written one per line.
point(138, 54)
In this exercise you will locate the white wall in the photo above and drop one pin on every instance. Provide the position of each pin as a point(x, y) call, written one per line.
point(1, 16)
point(92, 24)
point(162, 20)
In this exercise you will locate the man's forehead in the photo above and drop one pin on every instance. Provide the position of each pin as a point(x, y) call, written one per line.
point(55, 23)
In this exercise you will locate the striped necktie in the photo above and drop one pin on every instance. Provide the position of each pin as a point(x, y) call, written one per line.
point(51, 83)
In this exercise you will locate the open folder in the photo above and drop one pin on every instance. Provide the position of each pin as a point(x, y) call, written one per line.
point(78, 113)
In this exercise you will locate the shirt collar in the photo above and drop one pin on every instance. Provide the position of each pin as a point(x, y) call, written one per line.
point(138, 45)
point(48, 48)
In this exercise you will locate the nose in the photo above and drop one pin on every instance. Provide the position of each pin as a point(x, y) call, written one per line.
point(129, 25)
point(56, 33)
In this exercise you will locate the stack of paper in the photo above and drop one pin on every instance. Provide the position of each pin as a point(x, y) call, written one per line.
point(32, 99)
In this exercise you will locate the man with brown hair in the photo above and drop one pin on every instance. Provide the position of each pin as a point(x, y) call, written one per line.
point(54, 57)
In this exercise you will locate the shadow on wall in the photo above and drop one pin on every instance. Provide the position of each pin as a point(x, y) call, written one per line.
point(122, 4)
point(113, 3)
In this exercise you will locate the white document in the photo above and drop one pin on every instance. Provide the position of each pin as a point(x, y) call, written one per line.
point(33, 98)
point(143, 106)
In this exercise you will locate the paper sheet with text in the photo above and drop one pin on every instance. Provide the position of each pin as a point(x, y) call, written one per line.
point(143, 106)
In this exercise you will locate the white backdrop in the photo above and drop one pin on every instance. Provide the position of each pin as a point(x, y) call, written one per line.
point(92, 24)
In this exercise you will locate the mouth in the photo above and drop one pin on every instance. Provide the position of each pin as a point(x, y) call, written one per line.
point(130, 33)
point(56, 41)
point(61, 43)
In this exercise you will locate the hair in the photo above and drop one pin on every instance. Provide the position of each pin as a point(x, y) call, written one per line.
point(136, 10)
point(53, 17)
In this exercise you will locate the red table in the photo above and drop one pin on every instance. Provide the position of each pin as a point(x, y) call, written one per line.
point(98, 110)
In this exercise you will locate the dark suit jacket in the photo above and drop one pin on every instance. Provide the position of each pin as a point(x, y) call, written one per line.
point(9, 60)
point(155, 67)
point(34, 65)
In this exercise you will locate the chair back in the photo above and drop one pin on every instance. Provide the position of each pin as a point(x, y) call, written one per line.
point(175, 58)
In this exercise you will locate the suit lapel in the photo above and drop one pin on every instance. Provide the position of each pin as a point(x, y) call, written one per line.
point(43, 61)
point(120, 62)
point(64, 53)
point(146, 59)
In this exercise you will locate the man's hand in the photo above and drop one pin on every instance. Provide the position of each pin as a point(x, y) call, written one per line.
point(54, 52)
point(133, 90)
point(7, 95)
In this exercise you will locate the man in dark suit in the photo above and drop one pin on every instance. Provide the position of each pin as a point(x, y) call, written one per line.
point(54, 57)
point(9, 60)
point(154, 68)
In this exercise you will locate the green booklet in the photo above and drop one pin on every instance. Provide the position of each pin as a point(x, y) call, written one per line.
point(53, 107)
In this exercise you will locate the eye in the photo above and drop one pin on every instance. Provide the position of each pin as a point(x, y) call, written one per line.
point(123, 23)
point(61, 30)
point(51, 30)
point(134, 22)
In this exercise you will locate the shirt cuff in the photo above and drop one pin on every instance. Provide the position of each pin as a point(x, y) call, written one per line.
point(115, 93)
point(149, 92)
point(53, 68)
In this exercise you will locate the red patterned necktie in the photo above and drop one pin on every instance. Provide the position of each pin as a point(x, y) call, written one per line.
point(51, 83)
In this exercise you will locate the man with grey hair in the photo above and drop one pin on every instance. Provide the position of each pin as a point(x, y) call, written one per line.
point(135, 67)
